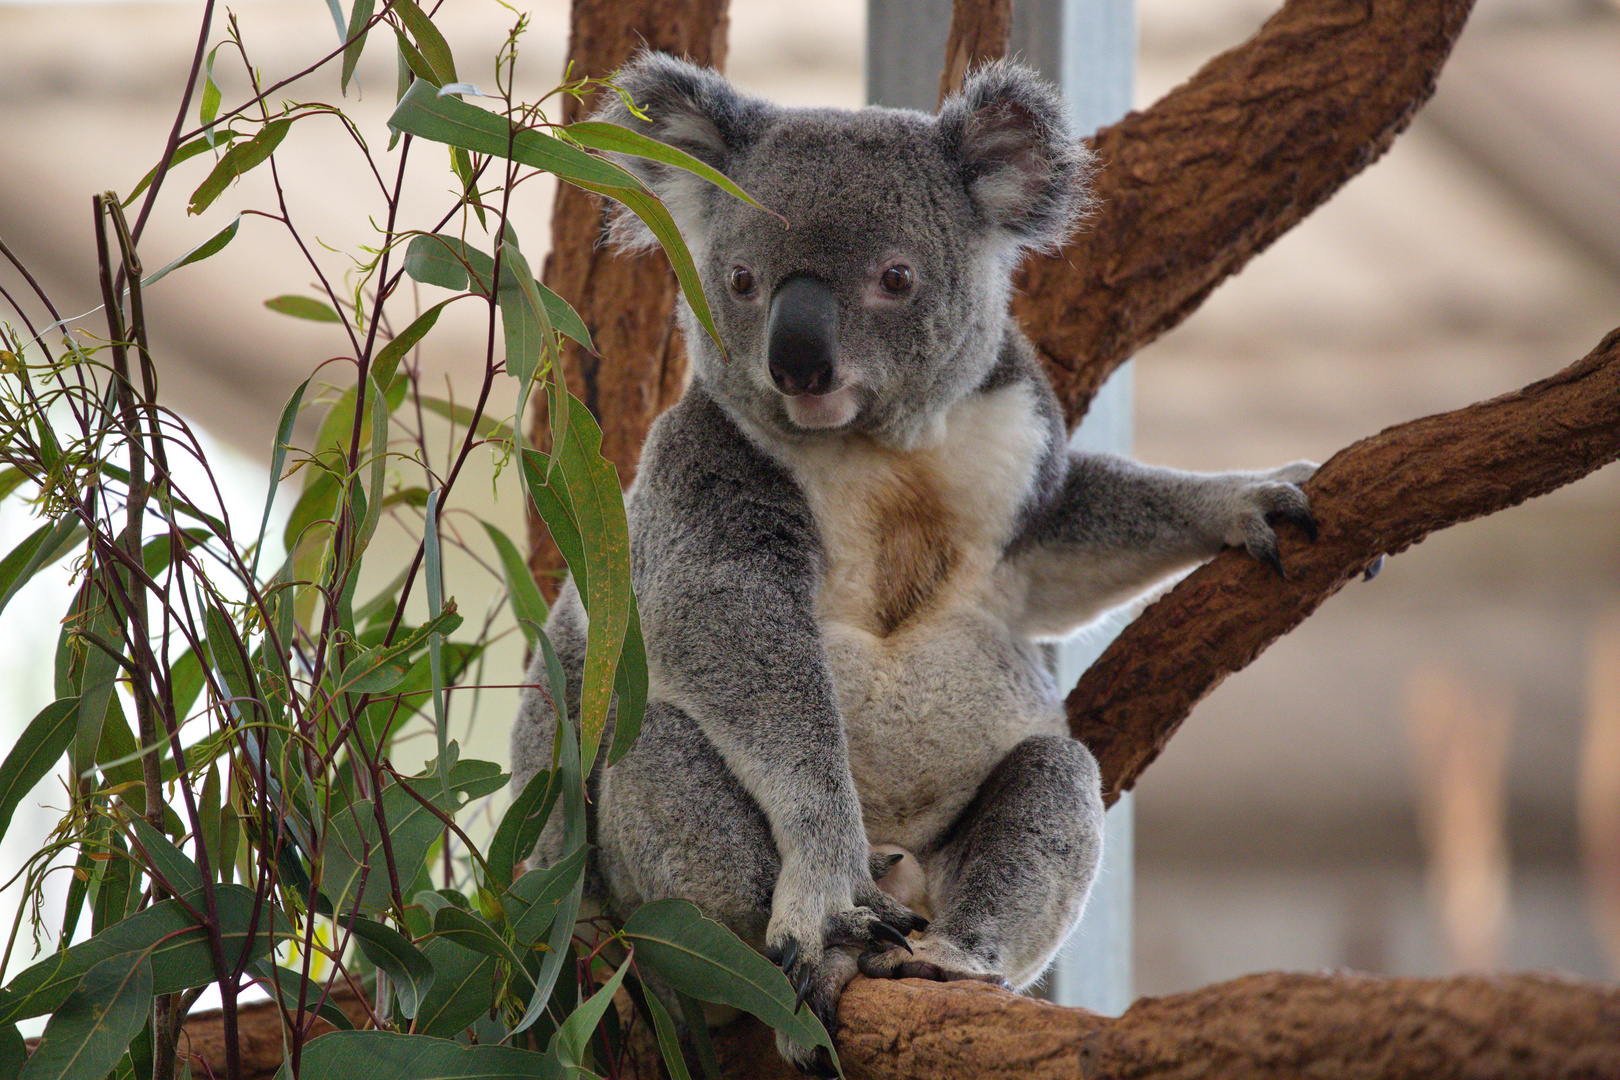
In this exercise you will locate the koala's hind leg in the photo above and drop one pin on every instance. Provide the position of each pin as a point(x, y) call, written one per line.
point(674, 822)
point(1010, 879)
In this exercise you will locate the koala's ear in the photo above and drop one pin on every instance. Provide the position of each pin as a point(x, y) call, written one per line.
point(1025, 171)
point(691, 108)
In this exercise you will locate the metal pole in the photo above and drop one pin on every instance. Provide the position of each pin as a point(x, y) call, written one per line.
point(1088, 48)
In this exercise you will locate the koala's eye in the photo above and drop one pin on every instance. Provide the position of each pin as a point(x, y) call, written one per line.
point(896, 280)
point(742, 280)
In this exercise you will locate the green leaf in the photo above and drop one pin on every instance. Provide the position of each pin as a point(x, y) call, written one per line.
point(13, 1051)
point(572, 1037)
point(520, 828)
point(450, 120)
point(208, 247)
point(463, 989)
point(435, 50)
point(565, 318)
point(95, 688)
point(621, 140)
point(303, 307)
point(381, 669)
point(11, 478)
point(208, 106)
point(528, 606)
point(590, 489)
point(87, 1035)
point(542, 891)
point(230, 659)
point(345, 1055)
point(389, 356)
point(43, 742)
point(524, 321)
point(179, 873)
point(701, 958)
point(356, 37)
point(238, 160)
point(278, 457)
point(410, 972)
point(471, 932)
point(181, 958)
point(42, 547)
point(669, 1039)
point(630, 688)
point(200, 144)
point(354, 841)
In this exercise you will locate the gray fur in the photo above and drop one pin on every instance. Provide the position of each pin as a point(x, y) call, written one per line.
point(842, 595)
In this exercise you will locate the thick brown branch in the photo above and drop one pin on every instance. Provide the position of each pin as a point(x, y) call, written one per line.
point(1258, 1027)
point(979, 33)
point(1380, 495)
point(628, 302)
point(1217, 169)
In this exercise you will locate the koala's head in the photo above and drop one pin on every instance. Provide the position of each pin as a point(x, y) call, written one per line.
point(883, 299)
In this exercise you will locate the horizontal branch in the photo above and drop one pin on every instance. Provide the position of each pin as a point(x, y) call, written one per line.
point(1258, 1027)
point(1378, 496)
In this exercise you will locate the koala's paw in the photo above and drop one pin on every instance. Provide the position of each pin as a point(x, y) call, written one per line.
point(820, 966)
point(1268, 497)
point(932, 957)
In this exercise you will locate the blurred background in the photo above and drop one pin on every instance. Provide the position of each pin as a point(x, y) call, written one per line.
point(1423, 778)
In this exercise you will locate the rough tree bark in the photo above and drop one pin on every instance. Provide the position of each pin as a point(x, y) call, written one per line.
point(1261, 1027)
point(980, 30)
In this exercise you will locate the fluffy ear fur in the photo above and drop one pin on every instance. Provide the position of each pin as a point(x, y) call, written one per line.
point(1024, 168)
point(691, 108)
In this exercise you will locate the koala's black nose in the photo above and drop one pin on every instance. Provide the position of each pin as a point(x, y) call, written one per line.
point(803, 336)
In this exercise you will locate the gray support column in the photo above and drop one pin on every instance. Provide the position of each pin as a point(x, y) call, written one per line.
point(1087, 47)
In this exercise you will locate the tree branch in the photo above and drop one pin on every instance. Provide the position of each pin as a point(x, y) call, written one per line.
point(979, 33)
point(1193, 188)
point(1380, 495)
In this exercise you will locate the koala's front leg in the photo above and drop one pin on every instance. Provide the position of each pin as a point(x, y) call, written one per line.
point(1114, 527)
point(737, 648)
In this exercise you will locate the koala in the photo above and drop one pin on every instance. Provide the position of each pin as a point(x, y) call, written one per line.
point(852, 534)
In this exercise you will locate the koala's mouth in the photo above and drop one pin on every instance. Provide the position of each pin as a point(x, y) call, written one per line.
point(816, 412)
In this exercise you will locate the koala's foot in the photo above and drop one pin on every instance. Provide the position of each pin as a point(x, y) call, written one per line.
point(819, 969)
point(1268, 497)
point(932, 957)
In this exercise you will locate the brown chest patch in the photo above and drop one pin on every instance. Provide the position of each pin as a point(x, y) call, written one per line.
point(915, 552)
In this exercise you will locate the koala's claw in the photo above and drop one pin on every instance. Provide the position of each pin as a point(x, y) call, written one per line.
point(1267, 553)
point(888, 933)
point(785, 956)
point(806, 983)
point(1370, 571)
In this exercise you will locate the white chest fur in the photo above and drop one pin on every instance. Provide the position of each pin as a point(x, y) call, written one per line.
point(916, 609)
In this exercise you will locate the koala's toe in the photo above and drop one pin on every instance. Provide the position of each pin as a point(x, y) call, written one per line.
point(931, 958)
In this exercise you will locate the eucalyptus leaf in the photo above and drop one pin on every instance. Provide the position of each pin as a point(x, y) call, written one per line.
point(463, 989)
point(346, 1055)
point(238, 160)
point(181, 958)
point(410, 972)
point(520, 828)
point(575, 1033)
point(303, 307)
point(701, 958)
point(88, 1033)
point(43, 742)
point(180, 875)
